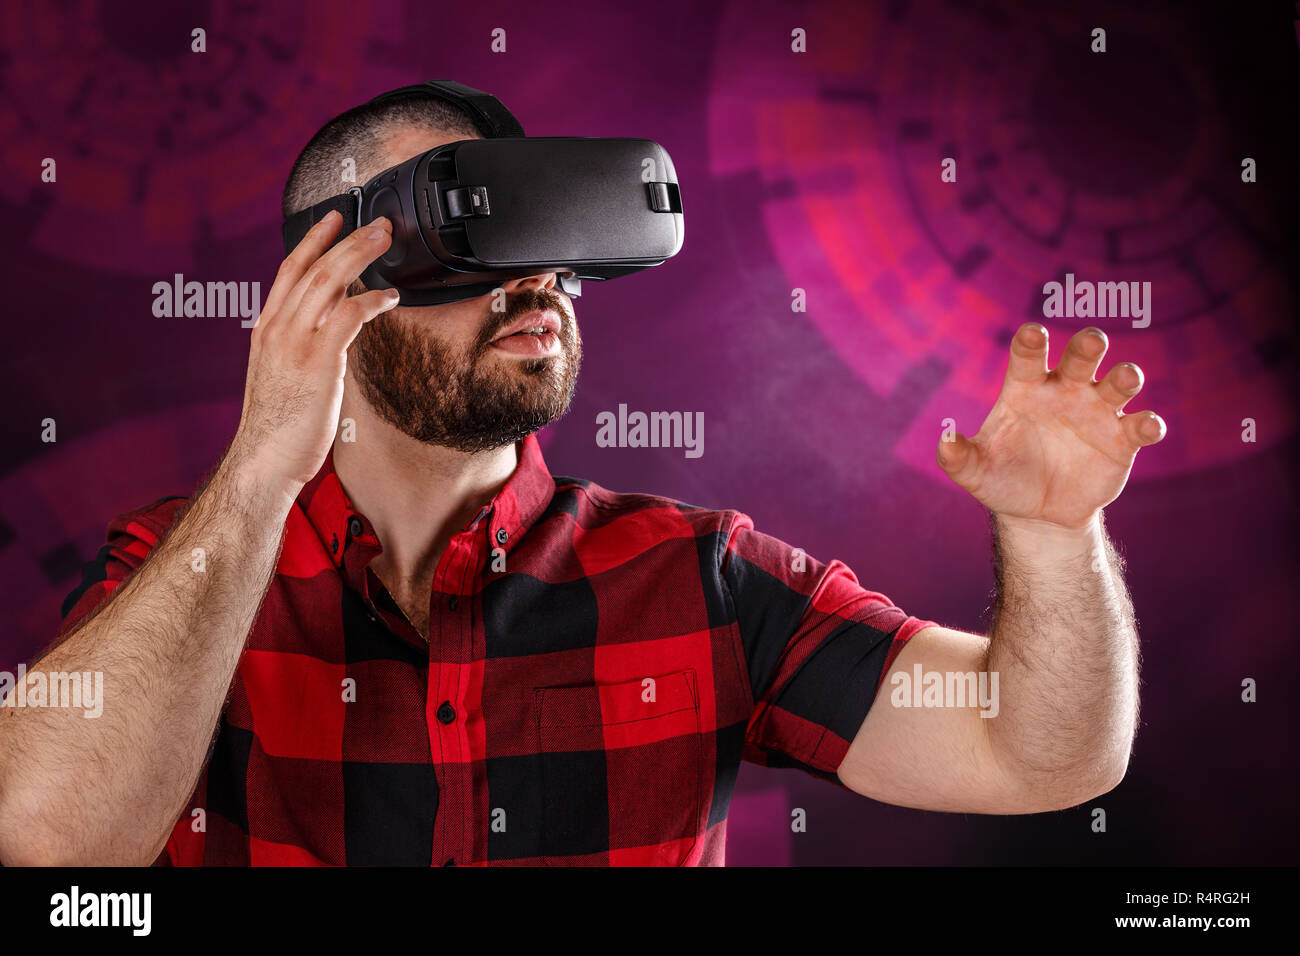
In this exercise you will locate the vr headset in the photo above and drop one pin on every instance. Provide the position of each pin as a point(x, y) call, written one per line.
point(472, 214)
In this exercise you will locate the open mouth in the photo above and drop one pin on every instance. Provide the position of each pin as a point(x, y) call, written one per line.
point(535, 334)
point(529, 343)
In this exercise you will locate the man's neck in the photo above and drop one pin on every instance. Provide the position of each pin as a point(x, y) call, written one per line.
point(416, 496)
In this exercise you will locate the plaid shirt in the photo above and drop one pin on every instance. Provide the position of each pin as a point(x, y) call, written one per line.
point(598, 665)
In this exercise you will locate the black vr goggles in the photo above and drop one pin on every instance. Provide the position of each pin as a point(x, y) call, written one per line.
point(472, 214)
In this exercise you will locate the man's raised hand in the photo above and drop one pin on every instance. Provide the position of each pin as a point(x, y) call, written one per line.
point(1057, 446)
point(298, 355)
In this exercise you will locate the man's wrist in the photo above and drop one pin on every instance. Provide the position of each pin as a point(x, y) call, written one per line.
point(1047, 538)
point(261, 494)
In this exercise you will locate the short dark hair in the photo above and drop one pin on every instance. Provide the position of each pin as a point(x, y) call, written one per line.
point(317, 172)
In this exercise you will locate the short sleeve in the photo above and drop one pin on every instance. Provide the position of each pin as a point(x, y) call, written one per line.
point(817, 647)
point(129, 540)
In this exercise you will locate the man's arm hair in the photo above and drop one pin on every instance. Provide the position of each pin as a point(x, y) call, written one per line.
point(1064, 638)
point(108, 790)
point(1063, 645)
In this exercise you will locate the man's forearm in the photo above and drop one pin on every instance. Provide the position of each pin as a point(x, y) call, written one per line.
point(108, 790)
point(1064, 645)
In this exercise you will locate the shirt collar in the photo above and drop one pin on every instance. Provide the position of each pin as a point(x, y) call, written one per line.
point(505, 519)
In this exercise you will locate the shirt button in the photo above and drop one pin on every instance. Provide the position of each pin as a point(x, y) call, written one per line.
point(334, 545)
point(446, 712)
point(354, 528)
point(502, 535)
point(452, 602)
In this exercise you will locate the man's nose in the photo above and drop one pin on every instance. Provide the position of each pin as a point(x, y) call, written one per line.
point(544, 281)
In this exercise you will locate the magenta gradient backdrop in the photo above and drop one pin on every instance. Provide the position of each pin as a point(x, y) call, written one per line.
point(816, 171)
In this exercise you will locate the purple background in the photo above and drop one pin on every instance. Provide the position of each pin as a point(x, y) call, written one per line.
point(816, 171)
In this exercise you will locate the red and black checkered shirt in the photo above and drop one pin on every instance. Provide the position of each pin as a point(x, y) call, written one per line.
point(598, 665)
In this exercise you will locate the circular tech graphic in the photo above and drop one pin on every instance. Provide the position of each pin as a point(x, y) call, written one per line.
point(1108, 166)
point(149, 135)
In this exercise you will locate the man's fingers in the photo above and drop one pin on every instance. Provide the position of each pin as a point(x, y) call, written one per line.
point(959, 458)
point(1120, 384)
point(316, 241)
point(324, 284)
point(1143, 428)
point(1028, 361)
point(1082, 355)
point(355, 311)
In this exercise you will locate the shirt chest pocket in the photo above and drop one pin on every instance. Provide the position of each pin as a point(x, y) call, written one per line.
point(622, 771)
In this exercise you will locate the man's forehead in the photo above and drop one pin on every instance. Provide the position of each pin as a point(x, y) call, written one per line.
point(407, 141)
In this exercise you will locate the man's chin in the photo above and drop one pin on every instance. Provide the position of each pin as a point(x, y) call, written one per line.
point(507, 367)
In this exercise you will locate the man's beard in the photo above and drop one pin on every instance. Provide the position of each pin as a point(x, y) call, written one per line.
point(441, 397)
